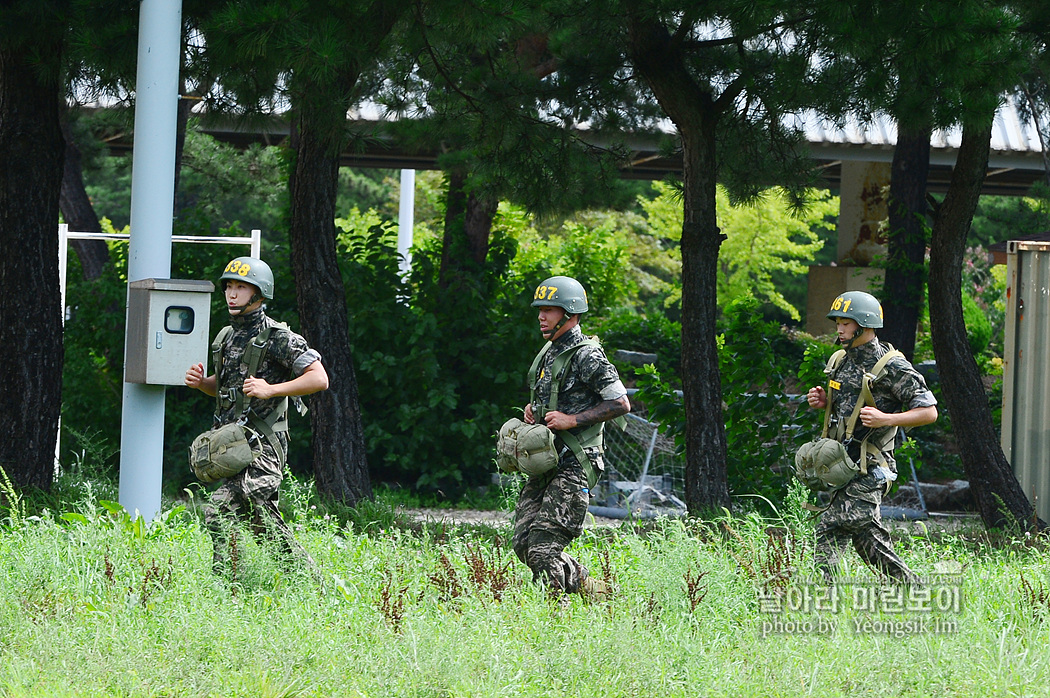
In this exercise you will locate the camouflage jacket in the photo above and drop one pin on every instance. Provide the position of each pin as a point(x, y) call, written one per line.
point(590, 379)
point(899, 389)
point(287, 356)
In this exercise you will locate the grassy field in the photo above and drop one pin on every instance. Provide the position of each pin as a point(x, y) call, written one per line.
point(92, 604)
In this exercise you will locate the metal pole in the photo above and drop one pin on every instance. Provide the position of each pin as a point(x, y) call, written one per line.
point(63, 260)
point(149, 253)
point(406, 216)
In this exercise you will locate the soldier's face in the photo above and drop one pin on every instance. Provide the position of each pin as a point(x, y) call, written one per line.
point(549, 316)
point(846, 329)
point(238, 295)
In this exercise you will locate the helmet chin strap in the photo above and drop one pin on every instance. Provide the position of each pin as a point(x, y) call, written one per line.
point(854, 338)
point(241, 308)
point(549, 336)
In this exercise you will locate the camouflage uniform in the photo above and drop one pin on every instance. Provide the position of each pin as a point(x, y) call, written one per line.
point(251, 494)
point(552, 507)
point(854, 510)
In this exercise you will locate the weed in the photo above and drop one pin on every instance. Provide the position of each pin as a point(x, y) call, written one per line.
point(12, 500)
point(154, 580)
point(773, 567)
point(606, 563)
point(1036, 600)
point(445, 580)
point(652, 610)
point(391, 601)
point(695, 592)
point(492, 574)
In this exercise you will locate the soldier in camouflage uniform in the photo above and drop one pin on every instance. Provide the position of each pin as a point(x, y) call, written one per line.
point(290, 368)
point(552, 506)
point(901, 400)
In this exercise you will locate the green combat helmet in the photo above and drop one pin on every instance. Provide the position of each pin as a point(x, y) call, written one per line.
point(250, 270)
point(561, 292)
point(863, 308)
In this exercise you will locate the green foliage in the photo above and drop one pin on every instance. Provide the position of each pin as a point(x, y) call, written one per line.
point(651, 333)
point(766, 239)
point(978, 327)
point(93, 369)
point(984, 303)
point(1000, 218)
point(593, 249)
point(663, 404)
point(764, 424)
point(432, 401)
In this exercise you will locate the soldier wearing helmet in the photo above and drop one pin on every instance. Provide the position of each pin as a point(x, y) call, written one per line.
point(893, 397)
point(575, 405)
point(286, 367)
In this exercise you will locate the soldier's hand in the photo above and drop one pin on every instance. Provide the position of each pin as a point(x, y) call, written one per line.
point(194, 376)
point(559, 421)
point(874, 418)
point(258, 388)
point(529, 418)
point(817, 398)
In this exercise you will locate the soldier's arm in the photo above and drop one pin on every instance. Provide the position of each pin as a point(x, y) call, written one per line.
point(915, 417)
point(313, 379)
point(602, 412)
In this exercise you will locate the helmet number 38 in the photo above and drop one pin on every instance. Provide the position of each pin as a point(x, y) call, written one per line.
point(237, 267)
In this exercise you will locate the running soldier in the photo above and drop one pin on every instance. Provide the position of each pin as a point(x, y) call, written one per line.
point(587, 393)
point(287, 368)
point(896, 397)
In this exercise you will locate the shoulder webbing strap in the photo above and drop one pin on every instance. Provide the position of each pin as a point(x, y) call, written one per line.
point(833, 363)
point(866, 397)
point(253, 356)
point(533, 378)
point(560, 366)
point(590, 436)
point(216, 360)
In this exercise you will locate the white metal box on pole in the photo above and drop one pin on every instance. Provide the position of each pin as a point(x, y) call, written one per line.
point(1026, 370)
point(167, 329)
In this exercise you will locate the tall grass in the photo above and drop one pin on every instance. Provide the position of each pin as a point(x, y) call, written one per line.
point(92, 604)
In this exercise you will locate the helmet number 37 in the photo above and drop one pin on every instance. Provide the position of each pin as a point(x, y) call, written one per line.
point(545, 292)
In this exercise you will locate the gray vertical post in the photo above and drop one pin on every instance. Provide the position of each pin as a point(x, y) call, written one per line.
point(149, 253)
point(406, 216)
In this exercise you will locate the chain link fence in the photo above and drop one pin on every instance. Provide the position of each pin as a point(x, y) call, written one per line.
point(644, 477)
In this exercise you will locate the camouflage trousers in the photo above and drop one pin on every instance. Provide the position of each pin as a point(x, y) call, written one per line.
point(241, 498)
point(854, 516)
point(550, 514)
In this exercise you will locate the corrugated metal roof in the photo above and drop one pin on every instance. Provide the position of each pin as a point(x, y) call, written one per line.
point(1010, 132)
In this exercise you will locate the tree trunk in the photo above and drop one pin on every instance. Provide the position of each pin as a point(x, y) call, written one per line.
point(340, 462)
point(995, 487)
point(706, 478)
point(78, 212)
point(468, 224)
point(905, 281)
point(31, 149)
point(695, 114)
